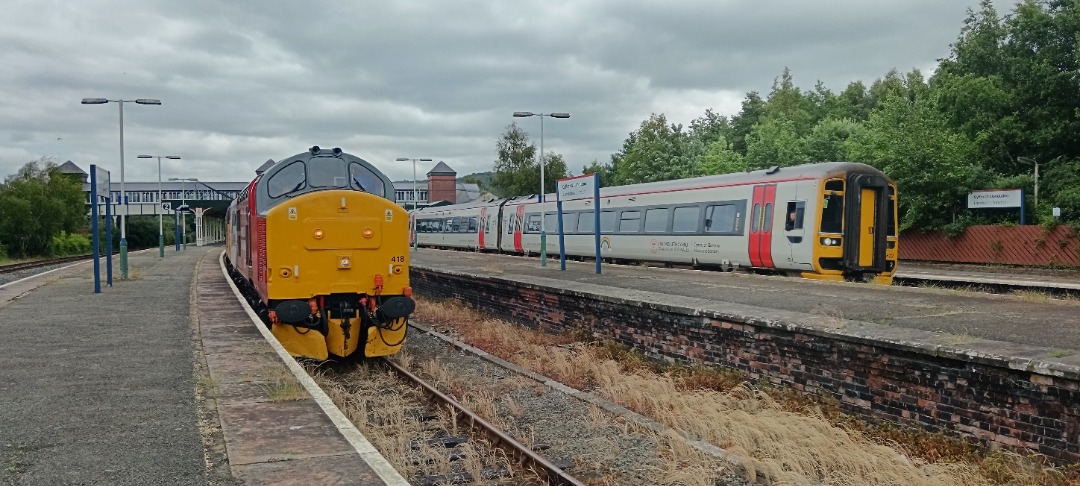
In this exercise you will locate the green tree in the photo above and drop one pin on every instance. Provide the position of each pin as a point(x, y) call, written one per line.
point(657, 151)
point(517, 172)
point(912, 143)
point(774, 141)
point(753, 109)
point(39, 202)
point(721, 158)
point(827, 141)
point(786, 102)
point(606, 171)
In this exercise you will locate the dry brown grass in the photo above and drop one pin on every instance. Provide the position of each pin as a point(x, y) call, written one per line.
point(779, 434)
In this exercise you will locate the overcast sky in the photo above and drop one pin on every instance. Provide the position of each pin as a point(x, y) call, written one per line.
point(243, 82)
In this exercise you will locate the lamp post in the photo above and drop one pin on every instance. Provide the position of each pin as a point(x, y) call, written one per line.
point(415, 198)
point(123, 197)
point(543, 205)
point(183, 205)
point(160, 224)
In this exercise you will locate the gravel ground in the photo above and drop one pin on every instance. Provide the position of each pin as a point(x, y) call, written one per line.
point(606, 450)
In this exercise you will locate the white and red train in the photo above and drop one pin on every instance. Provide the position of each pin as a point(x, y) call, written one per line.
point(829, 221)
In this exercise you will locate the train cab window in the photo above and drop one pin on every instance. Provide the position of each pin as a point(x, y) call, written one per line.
point(832, 213)
point(686, 219)
point(586, 222)
point(327, 172)
point(288, 179)
point(608, 220)
point(834, 185)
point(793, 217)
point(722, 218)
point(364, 179)
point(656, 220)
point(532, 223)
point(630, 222)
point(891, 218)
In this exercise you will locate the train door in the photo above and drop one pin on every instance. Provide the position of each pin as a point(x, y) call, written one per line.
point(761, 223)
point(482, 227)
point(865, 228)
point(518, 223)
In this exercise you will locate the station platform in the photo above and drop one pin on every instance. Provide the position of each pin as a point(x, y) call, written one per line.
point(160, 379)
point(1034, 279)
point(1027, 320)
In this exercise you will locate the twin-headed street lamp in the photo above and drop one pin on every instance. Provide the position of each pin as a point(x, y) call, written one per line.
point(543, 207)
point(161, 225)
point(414, 196)
point(123, 196)
point(183, 204)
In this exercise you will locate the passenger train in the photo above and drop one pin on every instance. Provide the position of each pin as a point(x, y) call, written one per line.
point(321, 254)
point(828, 221)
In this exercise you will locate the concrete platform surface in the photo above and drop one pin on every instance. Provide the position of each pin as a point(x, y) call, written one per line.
point(160, 379)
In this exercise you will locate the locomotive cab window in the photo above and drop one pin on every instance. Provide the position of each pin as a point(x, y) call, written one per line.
point(289, 179)
point(326, 172)
point(364, 179)
point(832, 213)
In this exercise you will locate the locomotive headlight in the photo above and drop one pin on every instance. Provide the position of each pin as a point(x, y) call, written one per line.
point(318, 234)
point(397, 269)
point(368, 232)
point(344, 262)
point(830, 241)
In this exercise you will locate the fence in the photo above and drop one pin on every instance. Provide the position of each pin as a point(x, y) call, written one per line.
point(1008, 245)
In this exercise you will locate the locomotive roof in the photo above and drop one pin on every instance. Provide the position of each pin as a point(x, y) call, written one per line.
point(820, 170)
point(372, 181)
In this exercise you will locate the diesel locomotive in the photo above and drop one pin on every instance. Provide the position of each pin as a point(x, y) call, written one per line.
point(829, 221)
point(321, 253)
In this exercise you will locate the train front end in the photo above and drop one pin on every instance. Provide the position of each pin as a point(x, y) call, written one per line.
point(857, 226)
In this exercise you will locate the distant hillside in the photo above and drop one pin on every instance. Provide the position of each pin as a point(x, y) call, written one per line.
point(483, 179)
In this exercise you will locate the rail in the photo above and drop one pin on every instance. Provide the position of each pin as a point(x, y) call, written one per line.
point(517, 450)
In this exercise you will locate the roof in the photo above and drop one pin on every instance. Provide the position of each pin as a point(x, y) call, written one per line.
point(69, 167)
point(442, 169)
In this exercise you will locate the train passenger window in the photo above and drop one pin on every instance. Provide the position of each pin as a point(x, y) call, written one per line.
point(832, 213)
point(532, 223)
point(472, 224)
point(569, 221)
point(656, 220)
point(755, 217)
point(448, 225)
point(586, 222)
point(362, 178)
point(551, 222)
point(630, 222)
point(793, 217)
point(686, 220)
point(607, 221)
point(290, 178)
point(721, 218)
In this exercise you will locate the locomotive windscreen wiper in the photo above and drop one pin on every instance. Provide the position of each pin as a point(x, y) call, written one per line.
point(358, 184)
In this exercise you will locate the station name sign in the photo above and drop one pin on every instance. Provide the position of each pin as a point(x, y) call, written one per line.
point(996, 198)
point(577, 187)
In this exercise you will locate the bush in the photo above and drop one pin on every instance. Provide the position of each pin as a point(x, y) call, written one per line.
point(65, 244)
point(3, 252)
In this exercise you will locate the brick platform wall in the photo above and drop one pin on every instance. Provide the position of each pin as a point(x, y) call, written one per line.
point(1008, 245)
point(986, 399)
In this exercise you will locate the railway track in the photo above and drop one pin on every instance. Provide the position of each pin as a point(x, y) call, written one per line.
point(15, 267)
point(525, 457)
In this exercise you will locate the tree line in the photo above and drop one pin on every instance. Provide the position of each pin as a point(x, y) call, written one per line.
point(44, 212)
point(1006, 97)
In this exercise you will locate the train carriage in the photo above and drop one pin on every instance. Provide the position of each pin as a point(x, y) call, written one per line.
point(834, 220)
point(322, 255)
